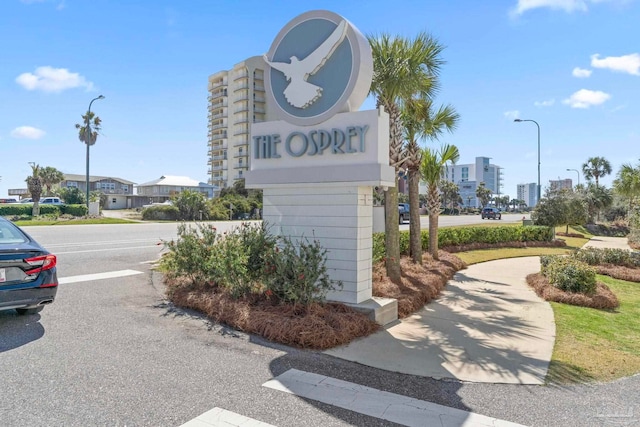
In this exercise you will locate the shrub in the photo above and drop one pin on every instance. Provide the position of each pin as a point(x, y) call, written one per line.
point(74, 210)
point(15, 209)
point(160, 213)
point(569, 274)
point(597, 256)
point(247, 261)
point(297, 273)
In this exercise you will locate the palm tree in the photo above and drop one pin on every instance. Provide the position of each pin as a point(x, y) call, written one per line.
point(431, 169)
point(595, 168)
point(34, 184)
point(50, 176)
point(627, 184)
point(402, 67)
point(95, 124)
point(483, 193)
point(421, 121)
point(597, 198)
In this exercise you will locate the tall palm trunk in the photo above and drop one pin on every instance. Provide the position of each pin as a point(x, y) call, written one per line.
point(415, 233)
point(392, 231)
point(433, 204)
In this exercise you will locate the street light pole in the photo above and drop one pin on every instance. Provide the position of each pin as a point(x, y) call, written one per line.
point(527, 120)
point(87, 140)
point(576, 171)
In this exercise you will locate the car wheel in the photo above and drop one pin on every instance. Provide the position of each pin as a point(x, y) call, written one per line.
point(401, 221)
point(24, 311)
point(499, 216)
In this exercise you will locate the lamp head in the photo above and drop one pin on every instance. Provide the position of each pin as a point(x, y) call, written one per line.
point(101, 97)
point(517, 120)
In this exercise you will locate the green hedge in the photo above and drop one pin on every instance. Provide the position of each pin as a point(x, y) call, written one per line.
point(598, 256)
point(15, 209)
point(161, 213)
point(75, 210)
point(454, 236)
point(19, 209)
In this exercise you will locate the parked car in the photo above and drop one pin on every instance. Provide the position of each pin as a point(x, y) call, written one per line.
point(51, 201)
point(26, 200)
point(8, 200)
point(28, 273)
point(165, 203)
point(491, 213)
point(403, 212)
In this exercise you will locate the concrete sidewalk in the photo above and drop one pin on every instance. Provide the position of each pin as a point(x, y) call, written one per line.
point(608, 242)
point(487, 326)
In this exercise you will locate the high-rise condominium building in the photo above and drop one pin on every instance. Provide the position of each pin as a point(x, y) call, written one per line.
point(528, 193)
point(560, 184)
point(469, 176)
point(236, 99)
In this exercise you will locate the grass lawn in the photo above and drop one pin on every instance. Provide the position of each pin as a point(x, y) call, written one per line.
point(591, 345)
point(74, 221)
point(598, 345)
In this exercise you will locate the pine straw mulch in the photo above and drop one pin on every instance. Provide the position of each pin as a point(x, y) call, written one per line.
point(318, 326)
point(420, 283)
point(321, 325)
point(479, 246)
point(603, 298)
point(563, 234)
point(620, 272)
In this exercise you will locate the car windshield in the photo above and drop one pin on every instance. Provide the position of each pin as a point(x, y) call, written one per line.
point(10, 234)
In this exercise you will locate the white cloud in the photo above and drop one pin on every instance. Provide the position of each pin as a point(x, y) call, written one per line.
point(27, 132)
point(547, 103)
point(566, 5)
point(623, 64)
point(49, 79)
point(585, 98)
point(512, 114)
point(581, 72)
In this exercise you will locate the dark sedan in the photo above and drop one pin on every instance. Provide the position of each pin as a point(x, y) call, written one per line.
point(28, 276)
point(491, 213)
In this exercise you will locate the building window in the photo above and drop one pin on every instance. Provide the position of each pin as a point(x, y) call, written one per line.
point(125, 188)
point(72, 184)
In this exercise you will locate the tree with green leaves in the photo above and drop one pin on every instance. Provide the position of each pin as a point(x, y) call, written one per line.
point(50, 176)
point(595, 168)
point(627, 183)
point(192, 205)
point(597, 198)
point(483, 193)
point(34, 185)
point(450, 194)
point(72, 196)
point(431, 170)
point(421, 121)
point(95, 124)
point(402, 68)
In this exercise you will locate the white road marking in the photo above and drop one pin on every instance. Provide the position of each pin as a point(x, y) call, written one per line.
point(105, 249)
point(110, 242)
point(98, 276)
point(377, 403)
point(218, 417)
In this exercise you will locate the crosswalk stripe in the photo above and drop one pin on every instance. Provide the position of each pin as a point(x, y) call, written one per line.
point(98, 276)
point(218, 417)
point(377, 403)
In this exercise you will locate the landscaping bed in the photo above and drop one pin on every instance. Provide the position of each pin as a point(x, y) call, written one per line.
point(319, 325)
point(602, 298)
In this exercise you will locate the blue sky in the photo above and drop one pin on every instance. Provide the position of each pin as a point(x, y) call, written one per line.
point(571, 65)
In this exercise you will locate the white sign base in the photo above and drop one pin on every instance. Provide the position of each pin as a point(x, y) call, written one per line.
point(340, 218)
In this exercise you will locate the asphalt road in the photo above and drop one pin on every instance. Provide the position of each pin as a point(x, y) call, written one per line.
point(112, 352)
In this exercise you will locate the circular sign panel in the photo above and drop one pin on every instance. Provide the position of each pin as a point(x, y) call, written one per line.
point(318, 65)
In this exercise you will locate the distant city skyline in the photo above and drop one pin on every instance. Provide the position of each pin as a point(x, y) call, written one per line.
point(573, 66)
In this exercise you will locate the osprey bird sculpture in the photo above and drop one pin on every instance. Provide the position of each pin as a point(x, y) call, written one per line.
point(299, 92)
